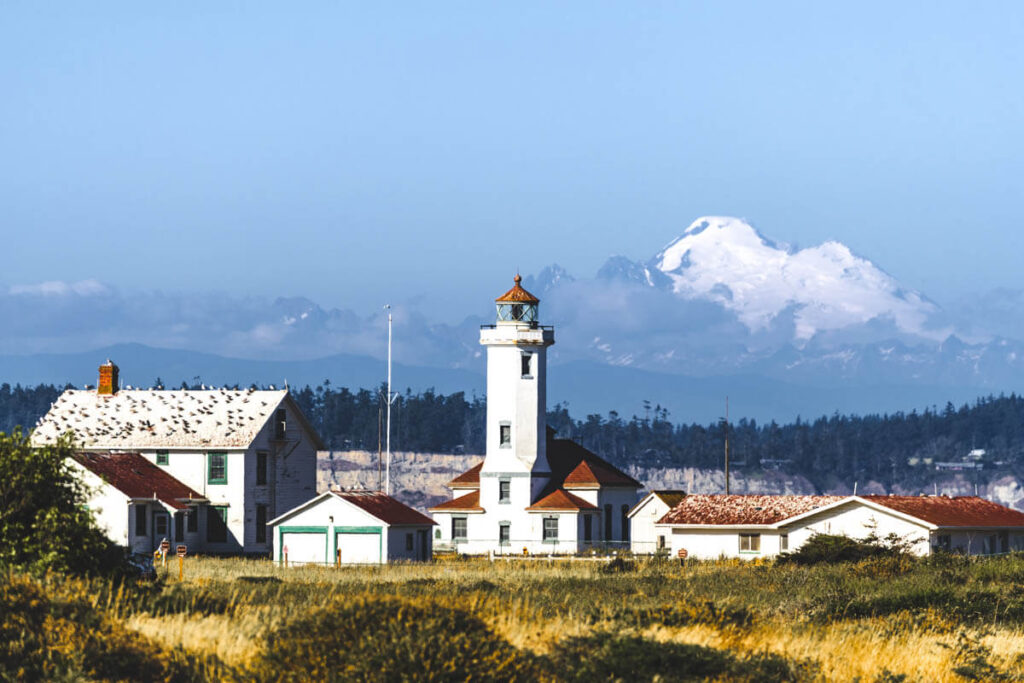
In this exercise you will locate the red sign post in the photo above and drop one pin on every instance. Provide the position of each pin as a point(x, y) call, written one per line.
point(182, 550)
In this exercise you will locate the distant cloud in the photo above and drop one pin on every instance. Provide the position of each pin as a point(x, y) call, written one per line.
point(60, 288)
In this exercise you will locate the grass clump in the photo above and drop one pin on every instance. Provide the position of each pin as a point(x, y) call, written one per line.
point(394, 639)
point(832, 549)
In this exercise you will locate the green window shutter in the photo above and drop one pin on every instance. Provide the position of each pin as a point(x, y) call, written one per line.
point(216, 468)
point(161, 457)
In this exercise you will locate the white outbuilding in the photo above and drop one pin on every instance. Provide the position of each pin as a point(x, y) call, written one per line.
point(752, 526)
point(644, 538)
point(352, 527)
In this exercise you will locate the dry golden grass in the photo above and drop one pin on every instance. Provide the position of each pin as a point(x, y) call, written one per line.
point(538, 606)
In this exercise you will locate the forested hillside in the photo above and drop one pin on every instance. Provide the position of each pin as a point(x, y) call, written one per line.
point(840, 448)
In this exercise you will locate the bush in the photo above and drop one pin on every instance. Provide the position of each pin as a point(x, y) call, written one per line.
point(831, 549)
point(45, 524)
point(369, 639)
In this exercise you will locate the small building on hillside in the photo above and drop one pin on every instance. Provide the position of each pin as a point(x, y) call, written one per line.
point(249, 455)
point(352, 527)
point(750, 526)
point(532, 491)
point(644, 539)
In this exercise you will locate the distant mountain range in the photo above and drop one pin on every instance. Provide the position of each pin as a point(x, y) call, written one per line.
point(721, 310)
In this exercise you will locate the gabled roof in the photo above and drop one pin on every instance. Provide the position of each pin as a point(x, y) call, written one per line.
point(742, 510)
point(384, 507)
point(153, 419)
point(138, 478)
point(959, 511)
point(670, 498)
point(565, 458)
point(517, 294)
point(468, 479)
point(561, 499)
point(467, 503)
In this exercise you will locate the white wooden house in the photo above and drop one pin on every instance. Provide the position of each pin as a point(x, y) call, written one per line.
point(644, 539)
point(249, 455)
point(751, 526)
point(352, 527)
point(532, 492)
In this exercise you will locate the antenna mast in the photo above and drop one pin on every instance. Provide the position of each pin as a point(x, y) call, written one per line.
point(727, 445)
point(387, 473)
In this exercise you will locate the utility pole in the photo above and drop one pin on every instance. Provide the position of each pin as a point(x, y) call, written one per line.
point(387, 474)
point(727, 445)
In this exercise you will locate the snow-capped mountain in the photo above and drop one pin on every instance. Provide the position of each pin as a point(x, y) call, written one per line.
point(825, 287)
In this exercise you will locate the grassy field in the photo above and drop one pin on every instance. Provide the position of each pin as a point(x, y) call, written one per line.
point(890, 619)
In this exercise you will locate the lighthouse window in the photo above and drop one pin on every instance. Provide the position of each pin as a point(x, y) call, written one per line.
point(505, 435)
point(526, 364)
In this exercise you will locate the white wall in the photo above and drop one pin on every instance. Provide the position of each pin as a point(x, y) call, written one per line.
point(857, 520)
point(643, 535)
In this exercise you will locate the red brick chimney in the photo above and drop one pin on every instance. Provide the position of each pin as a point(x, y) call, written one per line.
point(108, 379)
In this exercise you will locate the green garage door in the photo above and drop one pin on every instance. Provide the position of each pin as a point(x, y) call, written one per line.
point(303, 545)
point(359, 545)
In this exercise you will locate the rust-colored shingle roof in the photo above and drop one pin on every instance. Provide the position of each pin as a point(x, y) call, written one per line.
point(136, 477)
point(517, 294)
point(961, 511)
point(565, 458)
point(742, 509)
point(468, 479)
point(467, 503)
point(562, 500)
point(594, 473)
point(384, 508)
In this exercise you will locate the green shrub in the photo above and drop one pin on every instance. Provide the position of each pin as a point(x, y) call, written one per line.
point(831, 549)
point(388, 638)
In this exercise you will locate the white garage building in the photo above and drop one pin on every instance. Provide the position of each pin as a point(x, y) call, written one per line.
point(751, 526)
point(644, 539)
point(352, 527)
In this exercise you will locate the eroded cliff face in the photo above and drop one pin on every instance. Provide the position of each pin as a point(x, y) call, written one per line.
point(420, 479)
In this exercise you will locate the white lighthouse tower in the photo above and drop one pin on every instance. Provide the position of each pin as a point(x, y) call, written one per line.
point(515, 468)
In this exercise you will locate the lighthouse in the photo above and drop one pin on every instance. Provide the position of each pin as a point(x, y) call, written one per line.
point(516, 395)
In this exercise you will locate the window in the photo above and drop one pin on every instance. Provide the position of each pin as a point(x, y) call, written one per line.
point(192, 520)
point(217, 523)
point(216, 468)
point(625, 523)
point(505, 435)
point(750, 543)
point(140, 520)
point(608, 522)
point(504, 491)
point(160, 524)
point(280, 424)
point(504, 533)
point(588, 532)
point(408, 542)
point(261, 468)
point(458, 528)
point(527, 357)
point(179, 526)
point(161, 457)
point(551, 529)
point(1004, 541)
point(261, 523)
point(661, 542)
point(784, 542)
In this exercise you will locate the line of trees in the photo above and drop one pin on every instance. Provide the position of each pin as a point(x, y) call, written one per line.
point(827, 450)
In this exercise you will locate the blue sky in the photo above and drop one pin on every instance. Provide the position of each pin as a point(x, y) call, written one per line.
point(357, 153)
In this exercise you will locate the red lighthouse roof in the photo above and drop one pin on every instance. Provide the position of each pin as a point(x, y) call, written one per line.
point(517, 294)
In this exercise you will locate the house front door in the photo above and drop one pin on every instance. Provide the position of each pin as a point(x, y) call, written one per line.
point(179, 527)
point(421, 537)
point(161, 528)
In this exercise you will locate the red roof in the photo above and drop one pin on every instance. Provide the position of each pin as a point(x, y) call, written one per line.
point(384, 507)
point(742, 509)
point(467, 503)
point(517, 294)
point(961, 511)
point(468, 479)
point(136, 477)
point(573, 466)
point(562, 500)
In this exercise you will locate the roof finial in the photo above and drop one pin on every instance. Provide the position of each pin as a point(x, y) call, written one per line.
point(518, 278)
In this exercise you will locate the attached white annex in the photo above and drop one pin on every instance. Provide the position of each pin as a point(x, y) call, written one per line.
point(352, 527)
point(247, 455)
point(750, 526)
point(531, 492)
point(644, 538)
